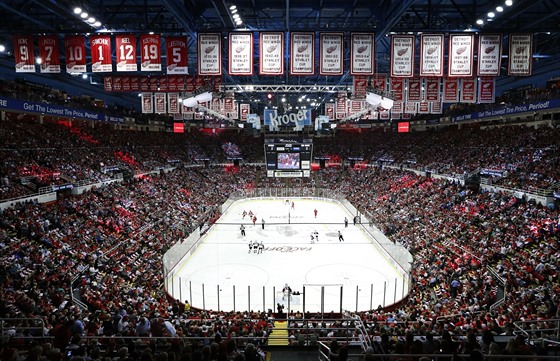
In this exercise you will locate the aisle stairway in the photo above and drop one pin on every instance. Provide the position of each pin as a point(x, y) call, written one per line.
point(279, 334)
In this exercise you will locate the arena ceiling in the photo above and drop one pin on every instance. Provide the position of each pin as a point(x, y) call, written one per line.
point(188, 17)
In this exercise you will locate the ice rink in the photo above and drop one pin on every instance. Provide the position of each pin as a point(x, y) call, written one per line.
point(349, 274)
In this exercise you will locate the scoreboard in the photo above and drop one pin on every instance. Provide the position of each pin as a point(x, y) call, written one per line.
point(286, 157)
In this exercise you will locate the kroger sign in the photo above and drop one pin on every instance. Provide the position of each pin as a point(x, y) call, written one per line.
point(297, 120)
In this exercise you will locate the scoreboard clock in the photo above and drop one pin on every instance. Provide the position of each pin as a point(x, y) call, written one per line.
point(286, 157)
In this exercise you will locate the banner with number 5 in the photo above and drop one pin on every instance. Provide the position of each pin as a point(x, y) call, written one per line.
point(126, 52)
point(150, 49)
point(75, 47)
point(49, 53)
point(176, 55)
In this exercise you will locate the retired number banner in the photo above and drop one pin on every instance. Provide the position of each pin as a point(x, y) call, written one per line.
point(49, 53)
point(402, 56)
point(126, 53)
point(431, 55)
point(460, 55)
point(209, 54)
point(147, 103)
point(489, 54)
point(487, 90)
point(100, 47)
point(150, 50)
point(331, 59)
point(271, 53)
point(24, 54)
point(468, 90)
point(302, 53)
point(450, 90)
point(176, 52)
point(520, 54)
point(75, 49)
point(362, 53)
point(240, 54)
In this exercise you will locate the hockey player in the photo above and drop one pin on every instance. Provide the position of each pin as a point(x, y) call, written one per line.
point(316, 234)
point(242, 229)
point(340, 238)
point(254, 220)
point(312, 238)
point(250, 246)
point(244, 214)
point(315, 211)
point(261, 247)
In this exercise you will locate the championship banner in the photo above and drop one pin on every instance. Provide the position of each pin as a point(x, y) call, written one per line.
point(108, 83)
point(450, 90)
point(398, 107)
point(125, 83)
point(159, 102)
point(153, 83)
point(520, 54)
point(147, 103)
point(341, 105)
point(24, 54)
point(75, 49)
point(379, 82)
point(173, 83)
point(176, 55)
point(414, 90)
point(331, 57)
point(329, 110)
point(487, 90)
point(431, 55)
point(360, 87)
point(402, 56)
point(423, 108)
point(244, 109)
point(163, 87)
point(362, 53)
point(228, 105)
point(461, 55)
point(410, 108)
point(240, 54)
point(189, 84)
point(468, 90)
point(100, 47)
point(489, 54)
point(126, 53)
point(432, 93)
point(209, 54)
point(355, 106)
point(397, 88)
point(134, 84)
point(217, 83)
point(271, 53)
point(144, 84)
point(173, 100)
point(302, 53)
point(436, 107)
point(117, 84)
point(150, 49)
point(49, 54)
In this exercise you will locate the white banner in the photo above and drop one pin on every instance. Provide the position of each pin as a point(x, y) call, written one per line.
point(520, 54)
point(302, 53)
point(159, 102)
point(362, 53)
point(240, 54)
point(271, 53)
point(331, 57)
point(461, 55)
point(436, 107)
point(402, 55)
point(209, 54)
point(173, 100)
point(489, 54)
point(147, 103)
point(431, 55)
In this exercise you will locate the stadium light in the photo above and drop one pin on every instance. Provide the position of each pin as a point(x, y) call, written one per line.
point(77, 10)
point(2, 48)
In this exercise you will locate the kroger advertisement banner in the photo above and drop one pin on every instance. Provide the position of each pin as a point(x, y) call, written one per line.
point(489, 54)
point(520, 54)
point(274, 120)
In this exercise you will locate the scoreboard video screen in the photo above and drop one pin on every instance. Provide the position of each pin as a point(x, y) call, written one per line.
point(288, 157)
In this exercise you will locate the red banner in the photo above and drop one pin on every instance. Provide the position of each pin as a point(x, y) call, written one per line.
point(468, 90)
point(432, 93)
point(520, 54)
point(360, 87)
point(134, 84)
point(126, 53)
point(402, 56)
point(150, 49)
point(271, 53)
point(362, 53)
point(487, 90)
point(379, 82)
point(117, 84)
point(49, 54)
point(100, 47)
point(489, 54)
point(244, 110)
point(436, 107)
point(178, 127)
point(173, 99)
point(228, 104)
point(331, 57)
point(240, 54)
point(163, 87)
point(176, 52)
point(209, 53)
point(75, 49)
point(397, 88)
point(24, 54)
point(144, 84)
point(302, 53)
point(414, 90)
point(410, 108)
point(153, 83)
point(450, 90)
point(423, 108)
point(461, 47)
point(108, 83)
point(147, 103)
point(431, 55)
point(329, 110)
point(341, 105)
point(125, 83)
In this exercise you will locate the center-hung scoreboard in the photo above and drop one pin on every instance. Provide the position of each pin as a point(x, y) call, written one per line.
point(287, 157)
